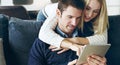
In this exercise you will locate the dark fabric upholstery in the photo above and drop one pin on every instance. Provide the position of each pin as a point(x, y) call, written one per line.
point(4, 34)
point(113, 55)
point(21, 37)
point(3, 25)
point(23, 32)
point(15, 11)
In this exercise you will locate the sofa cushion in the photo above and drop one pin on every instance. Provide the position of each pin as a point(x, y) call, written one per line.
point(4, 27)
point(4, 33)
point(3, 24)
point(113, 55)
point(22, 34)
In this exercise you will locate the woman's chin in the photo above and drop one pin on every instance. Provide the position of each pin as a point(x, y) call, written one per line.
point(86, 20)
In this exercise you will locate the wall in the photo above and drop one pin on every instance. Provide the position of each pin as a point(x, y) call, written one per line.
point(36, 5)
point(113, 6)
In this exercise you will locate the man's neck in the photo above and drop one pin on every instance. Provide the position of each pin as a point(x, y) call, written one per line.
point(69, 34)
point(61, 33)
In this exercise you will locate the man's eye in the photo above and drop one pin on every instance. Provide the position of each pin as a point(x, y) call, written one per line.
point(79, 18)
point(69, 16)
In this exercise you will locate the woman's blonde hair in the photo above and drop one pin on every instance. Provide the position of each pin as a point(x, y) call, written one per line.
point(101, 21)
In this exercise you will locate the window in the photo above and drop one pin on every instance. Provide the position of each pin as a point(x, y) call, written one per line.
point(54, 1)
point(22, 2)
point(113, 7)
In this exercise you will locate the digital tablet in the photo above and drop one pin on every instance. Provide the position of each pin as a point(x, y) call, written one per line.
point(92, 49)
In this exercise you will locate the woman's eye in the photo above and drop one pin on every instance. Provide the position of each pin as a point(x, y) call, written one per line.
point(96, 11)
point(87, 8)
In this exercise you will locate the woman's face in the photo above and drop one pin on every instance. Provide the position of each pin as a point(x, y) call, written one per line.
point(92, 10)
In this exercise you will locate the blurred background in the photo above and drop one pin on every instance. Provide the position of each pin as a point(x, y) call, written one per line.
point(113, 6)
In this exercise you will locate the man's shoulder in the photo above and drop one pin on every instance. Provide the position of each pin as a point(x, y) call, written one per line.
point(40, 43)
point(38, 40)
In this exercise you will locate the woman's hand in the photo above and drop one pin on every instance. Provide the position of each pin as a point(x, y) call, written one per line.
point(96, 60)
point(69, 43)
point(91, 60)
point(66, 44)
point(75, 61)
point(75, 44)
point(60, 50)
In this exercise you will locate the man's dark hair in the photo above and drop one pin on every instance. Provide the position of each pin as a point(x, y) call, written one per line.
point(63, 4)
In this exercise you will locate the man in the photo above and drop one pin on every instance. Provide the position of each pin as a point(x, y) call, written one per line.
point(69, 15)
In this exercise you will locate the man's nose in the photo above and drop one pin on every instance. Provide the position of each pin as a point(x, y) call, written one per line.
point(89, 14)
point(74, 22)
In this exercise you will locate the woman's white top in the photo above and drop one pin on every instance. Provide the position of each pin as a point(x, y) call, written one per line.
point(50, 10)
point(47, 34)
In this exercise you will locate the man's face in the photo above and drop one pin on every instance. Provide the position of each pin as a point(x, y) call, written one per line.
point(69, 19)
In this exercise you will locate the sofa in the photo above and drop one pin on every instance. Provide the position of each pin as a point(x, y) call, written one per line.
point(18, 36)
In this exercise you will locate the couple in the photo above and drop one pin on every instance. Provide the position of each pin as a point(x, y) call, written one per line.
point(68, 23)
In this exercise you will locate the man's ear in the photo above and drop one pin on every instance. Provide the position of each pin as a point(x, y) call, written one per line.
point(58, 13)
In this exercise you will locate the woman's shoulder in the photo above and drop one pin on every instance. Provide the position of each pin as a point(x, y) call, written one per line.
point(52, 5)
point(50, 9)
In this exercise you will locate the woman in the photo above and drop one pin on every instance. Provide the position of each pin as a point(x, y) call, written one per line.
point(95, 12)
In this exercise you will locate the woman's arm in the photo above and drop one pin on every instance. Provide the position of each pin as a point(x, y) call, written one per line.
point(76, 42)
point(47, 33)
point(95, 39)
point(49, 36)
point(98, 38)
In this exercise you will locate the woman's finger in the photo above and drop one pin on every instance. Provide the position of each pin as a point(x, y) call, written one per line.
point(52, 47)
point(61, 51)
point(95, 60)
point(99, 58)
point(72, 62)
point(56, 49)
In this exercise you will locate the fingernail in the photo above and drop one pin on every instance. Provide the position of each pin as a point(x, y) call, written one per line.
point(92, 55)
point(88, 57)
